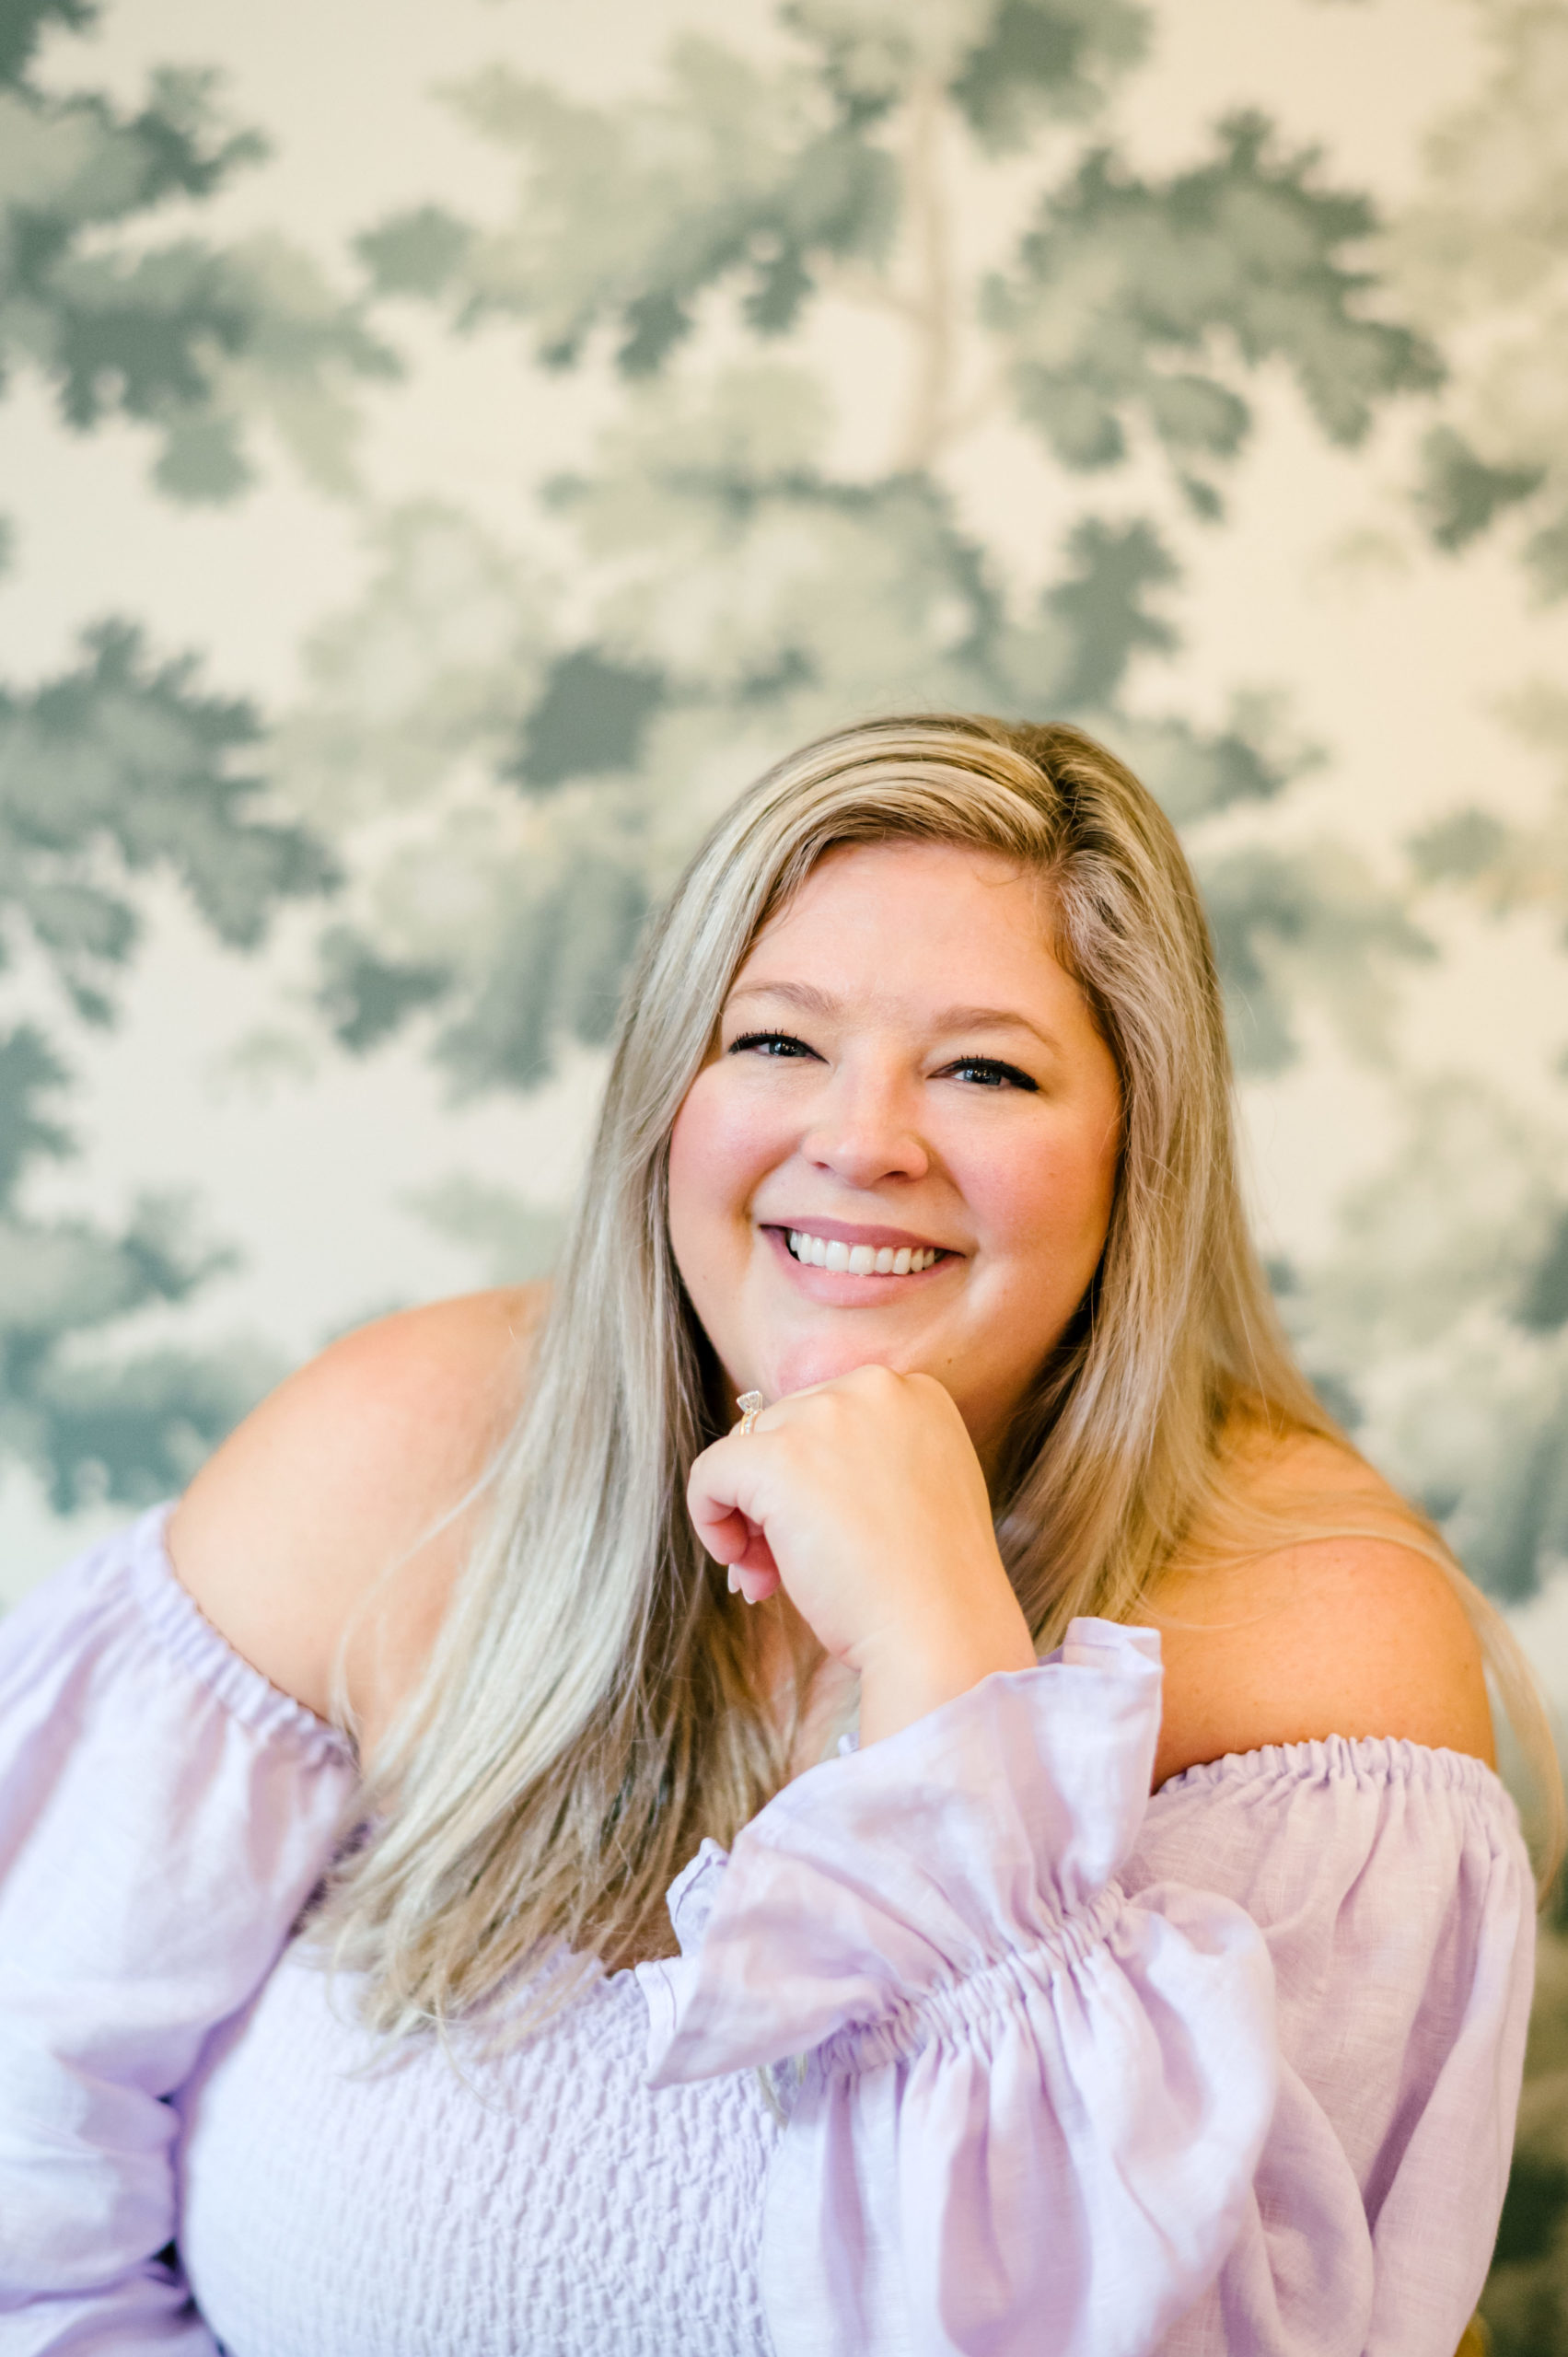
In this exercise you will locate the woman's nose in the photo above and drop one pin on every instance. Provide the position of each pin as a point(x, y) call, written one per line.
point(868, 1129)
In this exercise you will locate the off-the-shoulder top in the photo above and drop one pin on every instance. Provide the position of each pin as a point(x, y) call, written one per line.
point(972, 2047)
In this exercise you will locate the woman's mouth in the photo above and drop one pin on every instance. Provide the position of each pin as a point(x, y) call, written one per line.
point(860, 1259)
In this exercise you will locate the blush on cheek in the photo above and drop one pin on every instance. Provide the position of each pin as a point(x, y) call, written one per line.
point(719, 1152)
point(720, 1144)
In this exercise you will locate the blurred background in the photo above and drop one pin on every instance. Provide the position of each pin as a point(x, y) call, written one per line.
point(446, 452)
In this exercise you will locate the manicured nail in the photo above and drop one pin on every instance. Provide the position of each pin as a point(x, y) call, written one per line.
point(733, 1581)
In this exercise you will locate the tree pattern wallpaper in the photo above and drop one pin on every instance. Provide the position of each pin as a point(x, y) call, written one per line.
point(447, 452)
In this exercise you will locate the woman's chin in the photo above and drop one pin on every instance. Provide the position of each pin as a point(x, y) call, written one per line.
point(798, 1366)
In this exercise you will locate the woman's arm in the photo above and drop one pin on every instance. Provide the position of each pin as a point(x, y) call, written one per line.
point(164, 1815)
point(169, 1793)
point(1027, 2097)
point(1028, 2114)
point(1228, 2073)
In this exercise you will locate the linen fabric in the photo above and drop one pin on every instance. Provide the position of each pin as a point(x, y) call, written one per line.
point(973, 2049)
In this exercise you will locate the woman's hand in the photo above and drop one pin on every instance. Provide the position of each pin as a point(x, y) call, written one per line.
point(863, 1499)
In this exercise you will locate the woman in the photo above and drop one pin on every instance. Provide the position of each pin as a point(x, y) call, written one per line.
point(917, 1140)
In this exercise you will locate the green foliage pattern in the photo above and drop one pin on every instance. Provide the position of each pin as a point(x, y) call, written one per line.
point(122, 767)
point(508, 743)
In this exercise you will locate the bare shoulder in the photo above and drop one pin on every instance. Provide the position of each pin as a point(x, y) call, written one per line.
point(337, 1479)
point(1339, 1636)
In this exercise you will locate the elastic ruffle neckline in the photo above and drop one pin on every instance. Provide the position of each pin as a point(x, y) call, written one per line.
point(188, 1639)
point(1341, 1759)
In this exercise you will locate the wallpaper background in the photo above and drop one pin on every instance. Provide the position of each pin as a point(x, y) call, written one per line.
point(446, 452)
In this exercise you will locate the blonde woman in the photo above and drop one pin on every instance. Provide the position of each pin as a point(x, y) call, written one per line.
point(1167, 1994)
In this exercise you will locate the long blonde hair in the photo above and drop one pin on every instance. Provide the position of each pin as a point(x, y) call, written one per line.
point(589, 1712)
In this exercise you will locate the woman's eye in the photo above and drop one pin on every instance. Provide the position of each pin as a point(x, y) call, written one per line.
point(991, 1073)
point(768, 1043)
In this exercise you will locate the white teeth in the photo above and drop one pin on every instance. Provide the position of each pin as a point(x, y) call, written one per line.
point(860, 1259)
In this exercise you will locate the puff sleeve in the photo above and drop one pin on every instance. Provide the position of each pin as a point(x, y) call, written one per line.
point(1050, 2096)
point(1028, 2110)
point(164, 1815)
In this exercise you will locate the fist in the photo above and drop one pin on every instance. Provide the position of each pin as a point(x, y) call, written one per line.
point(863, 1499)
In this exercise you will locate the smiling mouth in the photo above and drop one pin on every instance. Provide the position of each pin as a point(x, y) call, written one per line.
point(861, 1260)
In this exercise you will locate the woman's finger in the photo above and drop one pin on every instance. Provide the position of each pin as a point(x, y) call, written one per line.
point(723, 1531)
point(717, 1497)
point(740, 1542)
point(727, 1532)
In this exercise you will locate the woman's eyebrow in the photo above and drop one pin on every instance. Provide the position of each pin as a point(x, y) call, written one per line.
point(812, 1000)
point(991, 1018)
point(805, 995)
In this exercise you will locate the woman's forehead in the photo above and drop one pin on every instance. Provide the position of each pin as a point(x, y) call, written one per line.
point(955, 900)
point(943, 935)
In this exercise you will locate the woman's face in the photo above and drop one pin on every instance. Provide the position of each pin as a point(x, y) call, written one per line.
point(902, 1147)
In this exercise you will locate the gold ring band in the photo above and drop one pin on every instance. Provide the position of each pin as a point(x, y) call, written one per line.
point(750, 1406)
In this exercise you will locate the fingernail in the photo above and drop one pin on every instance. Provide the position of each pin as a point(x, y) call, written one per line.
point(733, 1581)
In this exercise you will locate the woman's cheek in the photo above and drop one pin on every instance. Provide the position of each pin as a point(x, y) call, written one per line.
point(1056, 1208)
point(721, 1148)
point(690, 1164)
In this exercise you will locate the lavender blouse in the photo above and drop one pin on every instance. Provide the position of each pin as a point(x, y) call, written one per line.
point(1058, 2070)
